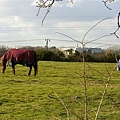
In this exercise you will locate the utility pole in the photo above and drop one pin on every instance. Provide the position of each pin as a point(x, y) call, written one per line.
point(47, 41)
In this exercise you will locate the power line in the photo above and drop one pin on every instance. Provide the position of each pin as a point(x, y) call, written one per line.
point(56, 28)
point(48, 40)
point(33, 40)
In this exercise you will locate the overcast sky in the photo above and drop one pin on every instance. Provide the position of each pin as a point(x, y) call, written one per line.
point(19, 25)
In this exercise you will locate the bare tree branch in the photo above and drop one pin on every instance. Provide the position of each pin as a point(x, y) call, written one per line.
point(118, 27)
point(69, 37)
point(98, 38)
point(104, 93)
point(113, 101)
point(93, 27)
point(105, 3)
point(44, 4)
point(62, 104)
point(48, 10)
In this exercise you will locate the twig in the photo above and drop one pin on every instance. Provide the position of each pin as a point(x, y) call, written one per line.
point(105, 3)
point(55, 116)
point(38, 11)
point(43, 5)
point(104, 92)
point(68, 37)
point(98, 38)
point(97, 71)
point(48, 10)
point(113, 101)
point(93, 27)
point(67, 111)
point(118, 24)
point(40, 5)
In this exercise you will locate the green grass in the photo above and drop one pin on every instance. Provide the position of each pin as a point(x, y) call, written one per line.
point(42, 97)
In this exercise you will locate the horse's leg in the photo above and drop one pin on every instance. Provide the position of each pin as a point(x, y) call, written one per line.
point(30, 70)
point(35, 69)
point(3, 66)
point(13, 68)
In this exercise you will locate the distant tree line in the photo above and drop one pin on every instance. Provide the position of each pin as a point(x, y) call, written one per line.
point(54, 54)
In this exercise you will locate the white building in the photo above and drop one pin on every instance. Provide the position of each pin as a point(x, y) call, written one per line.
point(66, 51)
point(79, 49)
point(92, 50)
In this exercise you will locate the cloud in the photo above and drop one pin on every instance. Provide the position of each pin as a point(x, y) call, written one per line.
point(18, 21)
point(67, 3)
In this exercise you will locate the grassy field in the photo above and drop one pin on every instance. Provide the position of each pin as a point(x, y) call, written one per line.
point(57, 92)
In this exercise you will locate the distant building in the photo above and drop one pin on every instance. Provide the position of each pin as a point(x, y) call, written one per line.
point(67, 50)
point(90, 50)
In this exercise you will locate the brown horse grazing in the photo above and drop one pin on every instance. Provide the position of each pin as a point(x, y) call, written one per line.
point(20, 56)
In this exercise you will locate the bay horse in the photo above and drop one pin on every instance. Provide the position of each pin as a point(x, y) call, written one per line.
point(20, 56)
